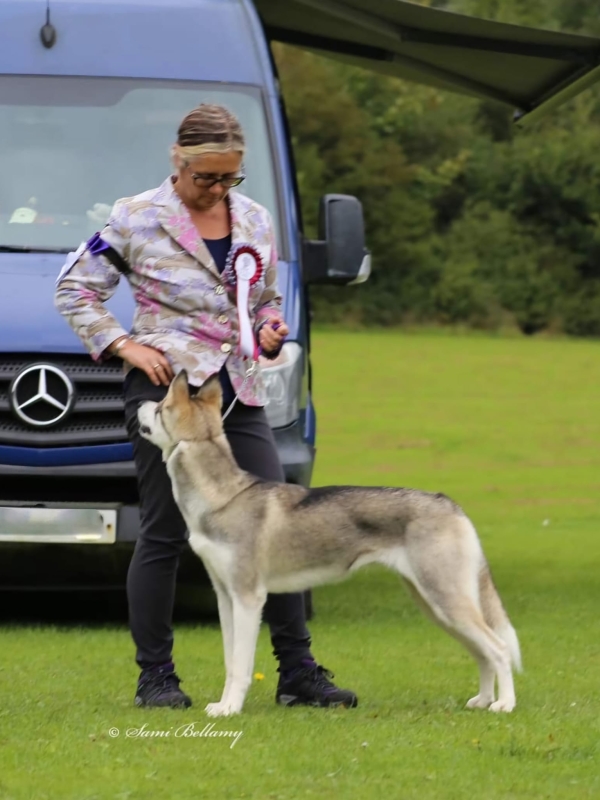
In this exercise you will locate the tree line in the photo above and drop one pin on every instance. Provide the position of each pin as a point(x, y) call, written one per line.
point(470, 220)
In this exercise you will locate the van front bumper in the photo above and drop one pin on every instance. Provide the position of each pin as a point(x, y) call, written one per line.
point(97, 503)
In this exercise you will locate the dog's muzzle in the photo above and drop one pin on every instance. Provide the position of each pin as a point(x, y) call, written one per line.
point(143, 418)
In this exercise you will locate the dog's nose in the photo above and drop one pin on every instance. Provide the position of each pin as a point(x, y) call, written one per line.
point(145, 430)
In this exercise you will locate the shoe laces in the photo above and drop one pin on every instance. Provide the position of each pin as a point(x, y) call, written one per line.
point(321, 677)
point(161, 680)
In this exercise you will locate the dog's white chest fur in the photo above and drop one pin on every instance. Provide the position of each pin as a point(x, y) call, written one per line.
point(217, 556)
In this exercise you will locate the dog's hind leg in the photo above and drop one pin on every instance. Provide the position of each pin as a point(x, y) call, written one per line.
point(246, 615)
point(487, 680)
point(493, 656)
point(496, 618)
point(450, 597)
point(461, 618)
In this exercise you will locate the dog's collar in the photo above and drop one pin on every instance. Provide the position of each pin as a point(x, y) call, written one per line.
point(168, 453)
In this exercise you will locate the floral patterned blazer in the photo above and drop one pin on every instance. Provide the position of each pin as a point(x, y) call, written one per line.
point(182, 306)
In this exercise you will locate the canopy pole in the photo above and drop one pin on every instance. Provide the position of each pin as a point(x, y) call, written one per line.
point(554, 101)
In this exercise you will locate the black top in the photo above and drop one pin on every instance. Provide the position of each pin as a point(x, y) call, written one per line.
point(219, 250)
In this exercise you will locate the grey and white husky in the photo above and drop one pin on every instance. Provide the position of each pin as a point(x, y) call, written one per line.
point(255, 537)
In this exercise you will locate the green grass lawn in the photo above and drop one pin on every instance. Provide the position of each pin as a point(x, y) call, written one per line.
point(508, 427)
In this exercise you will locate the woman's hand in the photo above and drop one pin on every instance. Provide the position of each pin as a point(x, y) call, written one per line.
point(151, 361)
point(272, 334)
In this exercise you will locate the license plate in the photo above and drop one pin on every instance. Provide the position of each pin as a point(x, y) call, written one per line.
point(57, 525)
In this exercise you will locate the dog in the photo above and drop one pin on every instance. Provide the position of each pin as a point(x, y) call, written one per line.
point(256, 537)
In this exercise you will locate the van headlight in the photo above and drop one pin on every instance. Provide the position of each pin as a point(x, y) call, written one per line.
point(283, 380)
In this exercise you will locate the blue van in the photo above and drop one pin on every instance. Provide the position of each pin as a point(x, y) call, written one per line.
point(91, 95)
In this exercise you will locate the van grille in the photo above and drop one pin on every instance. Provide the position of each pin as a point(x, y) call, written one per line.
point(97, 417)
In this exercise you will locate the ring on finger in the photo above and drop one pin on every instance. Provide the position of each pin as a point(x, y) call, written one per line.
point(157, 366)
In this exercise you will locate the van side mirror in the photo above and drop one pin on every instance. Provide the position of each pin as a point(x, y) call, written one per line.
point(339, 256)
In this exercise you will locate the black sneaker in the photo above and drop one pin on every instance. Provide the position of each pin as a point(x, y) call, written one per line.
point(159, 686)
point(310, 685)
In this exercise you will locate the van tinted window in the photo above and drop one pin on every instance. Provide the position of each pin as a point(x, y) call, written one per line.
point(70, 147)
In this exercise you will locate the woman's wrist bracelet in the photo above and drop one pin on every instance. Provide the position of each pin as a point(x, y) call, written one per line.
point(120, 343)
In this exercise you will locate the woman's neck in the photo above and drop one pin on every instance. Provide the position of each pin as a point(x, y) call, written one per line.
point(214, 223)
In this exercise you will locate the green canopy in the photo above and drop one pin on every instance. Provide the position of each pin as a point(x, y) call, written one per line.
point(531, 70)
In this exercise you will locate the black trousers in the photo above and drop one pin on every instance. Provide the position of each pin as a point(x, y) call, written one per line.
point(152, 573)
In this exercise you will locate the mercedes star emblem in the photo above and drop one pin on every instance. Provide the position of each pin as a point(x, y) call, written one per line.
point(42, 395)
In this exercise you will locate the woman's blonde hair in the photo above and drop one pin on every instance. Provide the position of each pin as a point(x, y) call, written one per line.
point(207, 129)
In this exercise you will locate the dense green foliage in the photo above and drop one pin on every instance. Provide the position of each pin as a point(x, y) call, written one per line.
point(471, 221)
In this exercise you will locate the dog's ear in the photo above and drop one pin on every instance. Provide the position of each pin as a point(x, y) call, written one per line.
point(210, 392)
point(179, 388)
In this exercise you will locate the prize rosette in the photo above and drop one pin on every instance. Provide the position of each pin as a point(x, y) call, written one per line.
point(243, 269)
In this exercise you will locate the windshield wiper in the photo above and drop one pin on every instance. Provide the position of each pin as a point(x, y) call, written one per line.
point(10, 248)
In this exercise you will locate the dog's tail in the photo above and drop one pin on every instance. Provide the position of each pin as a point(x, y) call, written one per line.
point(496, 617)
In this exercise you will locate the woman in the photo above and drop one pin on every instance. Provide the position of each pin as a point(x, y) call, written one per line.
point(173, 243)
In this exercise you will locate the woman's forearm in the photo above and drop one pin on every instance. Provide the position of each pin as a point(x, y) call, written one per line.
point(81, 303)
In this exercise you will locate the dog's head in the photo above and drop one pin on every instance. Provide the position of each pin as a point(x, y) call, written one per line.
point(181, 416)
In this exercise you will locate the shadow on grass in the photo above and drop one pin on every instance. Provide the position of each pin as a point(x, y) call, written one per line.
point(85, 585)
point(96, 607)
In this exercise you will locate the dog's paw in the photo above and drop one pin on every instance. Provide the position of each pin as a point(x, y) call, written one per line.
point(503, 705)
point(480, 702)
point(221, 710)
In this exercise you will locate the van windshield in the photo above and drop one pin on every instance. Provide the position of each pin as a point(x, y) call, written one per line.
point(70, 147)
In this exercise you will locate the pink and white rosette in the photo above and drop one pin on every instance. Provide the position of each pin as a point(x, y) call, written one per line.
point(243, 269)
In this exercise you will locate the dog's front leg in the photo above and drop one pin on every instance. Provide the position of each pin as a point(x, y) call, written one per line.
point(246, 623)
point(226, 620)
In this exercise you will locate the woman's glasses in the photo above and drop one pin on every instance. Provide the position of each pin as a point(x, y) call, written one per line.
point(208, 179)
